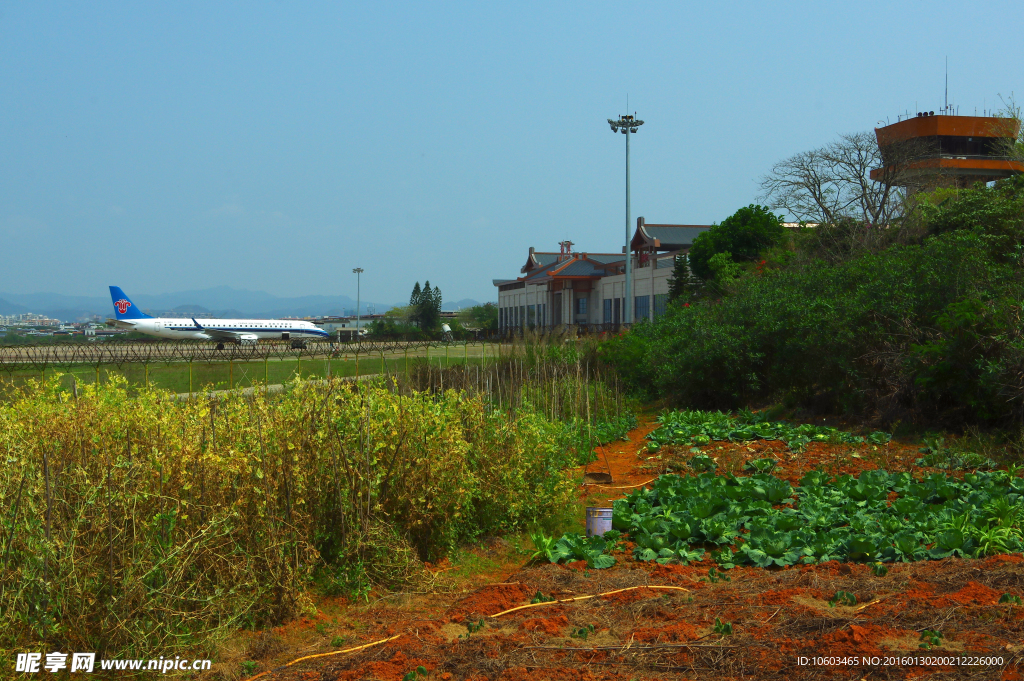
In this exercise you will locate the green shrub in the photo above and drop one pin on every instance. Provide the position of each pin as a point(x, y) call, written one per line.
point(739, 238)
point(929, 327)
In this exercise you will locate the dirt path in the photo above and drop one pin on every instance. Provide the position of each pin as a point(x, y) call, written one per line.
point(783, 625)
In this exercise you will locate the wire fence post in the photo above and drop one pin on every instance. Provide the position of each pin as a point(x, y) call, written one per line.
point(190, 378)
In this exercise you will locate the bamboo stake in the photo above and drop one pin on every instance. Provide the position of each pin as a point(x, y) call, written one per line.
point(14, 519)
point(110, 535)
point(46, 552)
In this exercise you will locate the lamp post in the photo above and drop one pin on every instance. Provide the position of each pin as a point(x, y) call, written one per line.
point(627, 125)
point(357, 271)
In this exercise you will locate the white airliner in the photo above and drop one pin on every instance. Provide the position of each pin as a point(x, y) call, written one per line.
point(240, 331)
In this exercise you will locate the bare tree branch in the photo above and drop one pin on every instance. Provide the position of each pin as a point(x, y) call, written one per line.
point(834, 182)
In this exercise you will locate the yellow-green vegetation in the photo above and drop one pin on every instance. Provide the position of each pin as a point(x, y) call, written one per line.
point(137, 524)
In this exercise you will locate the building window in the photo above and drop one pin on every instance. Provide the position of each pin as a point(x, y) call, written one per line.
point(581, 306)
point(616, 308)
point(607, 304)
point(531, 315)
point(542, 319)
point(642, 308)
point(660, 303)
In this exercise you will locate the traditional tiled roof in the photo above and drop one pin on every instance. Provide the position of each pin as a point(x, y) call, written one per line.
point(579, 268)
point(665, 237)
point(537, 259)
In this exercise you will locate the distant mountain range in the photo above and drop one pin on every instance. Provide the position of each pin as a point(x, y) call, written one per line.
point(459, 304)
point(8, 308)
point(221, 301)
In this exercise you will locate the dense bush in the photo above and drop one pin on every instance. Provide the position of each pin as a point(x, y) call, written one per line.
point(147, 525)
point(931, 329)
point(740, 237)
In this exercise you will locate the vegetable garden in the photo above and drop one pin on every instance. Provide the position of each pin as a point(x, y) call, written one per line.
point(762, 520)
point(826, 575)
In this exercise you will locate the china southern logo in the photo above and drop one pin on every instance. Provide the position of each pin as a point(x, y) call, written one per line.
point(122, 305)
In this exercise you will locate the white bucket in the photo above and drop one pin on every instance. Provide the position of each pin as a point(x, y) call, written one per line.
point(599, 520)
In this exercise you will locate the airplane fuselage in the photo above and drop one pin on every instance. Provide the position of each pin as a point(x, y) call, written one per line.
point(246, 329)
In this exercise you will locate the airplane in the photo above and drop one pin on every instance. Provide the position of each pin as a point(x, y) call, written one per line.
point(240, 331)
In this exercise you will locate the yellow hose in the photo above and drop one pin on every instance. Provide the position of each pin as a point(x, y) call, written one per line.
point(583, 598)
point(337, 652)
point(504, 612)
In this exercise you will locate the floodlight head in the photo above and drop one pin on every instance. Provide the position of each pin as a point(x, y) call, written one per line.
point(614, 128)
point(632, 129)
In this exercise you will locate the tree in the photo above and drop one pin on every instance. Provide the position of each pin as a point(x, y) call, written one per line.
point(742, 235)
point(425, 305)
point(483, 317)
point(681, 278)
point(414, 304)
point(832, 183)
point(1012, 147)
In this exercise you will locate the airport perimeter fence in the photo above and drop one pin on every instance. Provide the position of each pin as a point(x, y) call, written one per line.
point(188, 365)
point(195, 364)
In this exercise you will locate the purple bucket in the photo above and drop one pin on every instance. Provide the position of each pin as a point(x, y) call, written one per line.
point(599, 520)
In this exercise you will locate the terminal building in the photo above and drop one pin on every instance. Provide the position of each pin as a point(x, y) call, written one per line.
point(583, 288)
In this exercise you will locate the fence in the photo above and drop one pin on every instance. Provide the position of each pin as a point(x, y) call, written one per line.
point(231, 366)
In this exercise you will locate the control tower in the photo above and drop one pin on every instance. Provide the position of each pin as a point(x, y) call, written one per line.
point(926, 150)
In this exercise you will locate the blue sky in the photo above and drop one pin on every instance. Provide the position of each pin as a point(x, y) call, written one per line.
point(277, 145)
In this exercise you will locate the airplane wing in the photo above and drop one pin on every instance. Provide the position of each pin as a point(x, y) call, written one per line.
point(220, 334)
point(216, 334)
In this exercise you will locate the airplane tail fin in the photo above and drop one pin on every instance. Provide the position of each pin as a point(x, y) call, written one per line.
point(124, 308)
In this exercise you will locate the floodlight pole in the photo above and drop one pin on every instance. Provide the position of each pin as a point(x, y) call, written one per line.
point(627, 125)
point(357, 271)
